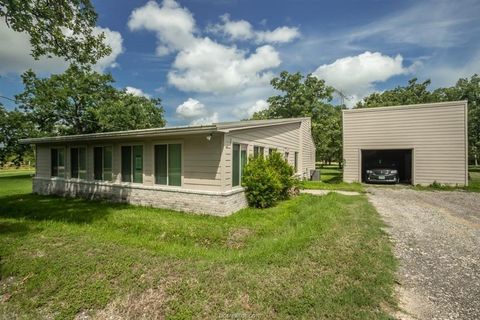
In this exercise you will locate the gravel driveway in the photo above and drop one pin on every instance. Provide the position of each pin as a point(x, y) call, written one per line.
point(437, 240)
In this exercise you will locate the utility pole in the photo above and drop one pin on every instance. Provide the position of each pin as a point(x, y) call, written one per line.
point(342, 96)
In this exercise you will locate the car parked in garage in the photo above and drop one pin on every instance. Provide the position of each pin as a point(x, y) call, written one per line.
point(382, 170)
point(382, 175)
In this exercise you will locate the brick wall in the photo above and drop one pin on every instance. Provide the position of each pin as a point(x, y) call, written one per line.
point(204, 202)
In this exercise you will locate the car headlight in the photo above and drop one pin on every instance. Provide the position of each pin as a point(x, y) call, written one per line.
point(394, 171)
point(369, 171)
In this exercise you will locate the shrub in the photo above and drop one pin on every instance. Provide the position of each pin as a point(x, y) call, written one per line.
point(285, 174)
point(261, 182)
point(268, 180)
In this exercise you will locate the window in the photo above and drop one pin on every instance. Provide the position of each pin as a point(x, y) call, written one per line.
point(271, 151)
point(102, 163)
point(78, 163)
point(286, 156)
point(58, 162)
point(168, 164)
point(295, 164)
point(258, 151)
point(132, 164)
point(239, 159)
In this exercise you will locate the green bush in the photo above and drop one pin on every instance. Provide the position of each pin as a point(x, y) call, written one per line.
point(261, 182)
point(268, 180)
point(285, 174)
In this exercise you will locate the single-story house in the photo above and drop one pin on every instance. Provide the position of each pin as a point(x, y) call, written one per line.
point(428, 142)
point(191, 168)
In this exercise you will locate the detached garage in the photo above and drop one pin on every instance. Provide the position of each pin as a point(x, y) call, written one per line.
point(412, 144)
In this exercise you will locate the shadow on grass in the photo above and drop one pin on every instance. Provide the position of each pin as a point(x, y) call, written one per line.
point(55, 208)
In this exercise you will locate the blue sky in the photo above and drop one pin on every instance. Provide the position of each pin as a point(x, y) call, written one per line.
point(213, 60)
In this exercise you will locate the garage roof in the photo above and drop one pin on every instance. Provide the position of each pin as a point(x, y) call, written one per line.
point(408, 106)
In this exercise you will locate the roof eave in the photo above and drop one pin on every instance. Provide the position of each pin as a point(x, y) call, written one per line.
point(119, 135)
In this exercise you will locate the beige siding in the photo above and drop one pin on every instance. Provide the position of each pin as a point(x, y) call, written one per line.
point(42, 161)
point(307, 152)
point(200, 160)
point(291, 138)
point(435, 132)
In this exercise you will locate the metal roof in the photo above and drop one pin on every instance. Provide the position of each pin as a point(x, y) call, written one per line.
point(165, 131)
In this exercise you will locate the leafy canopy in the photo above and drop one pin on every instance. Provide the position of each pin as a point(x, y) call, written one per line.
point(64, 28)
point(81, 100)
point(14, 125)
point(308, 97)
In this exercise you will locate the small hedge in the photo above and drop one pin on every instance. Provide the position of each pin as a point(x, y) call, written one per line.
point(267, 180)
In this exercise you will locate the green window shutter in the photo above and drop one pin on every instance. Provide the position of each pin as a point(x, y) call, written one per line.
point(236, 165)
point(54, 162)
point(127, 164)
point(74, 162)
point(82, 163)
point(243, 160)
point(175, 164)
point(97, 163)
point(138, 164)
point(107, 163)
point(161, 164)
point(296, 162)
point(61, 163)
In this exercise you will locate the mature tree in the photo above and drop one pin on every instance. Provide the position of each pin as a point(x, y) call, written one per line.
point(464, 89)
point(14, 126)
point(302, 95)
point(62, 28)
point(65, 103)
point(308, 97)
point(127, 111)
point(81, 100)
point(411, 94)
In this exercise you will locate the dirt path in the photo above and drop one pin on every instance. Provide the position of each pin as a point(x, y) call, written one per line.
point(437, 240)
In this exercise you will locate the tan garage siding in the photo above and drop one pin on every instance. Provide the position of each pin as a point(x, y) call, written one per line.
point(436, 132)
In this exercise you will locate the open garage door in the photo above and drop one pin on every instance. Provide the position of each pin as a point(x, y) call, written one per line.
point(382, 165)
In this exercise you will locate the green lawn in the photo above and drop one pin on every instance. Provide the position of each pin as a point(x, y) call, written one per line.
point(310, 257)
point(16, 172)
point(331, 178)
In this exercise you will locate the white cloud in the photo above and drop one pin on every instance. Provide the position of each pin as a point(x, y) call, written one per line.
point(115, 41)
point(136, 92)
point(173, 25)
point(206, 120)
point(357, 75)
point(235, 30)
point(243, 30)
point(211, 67)
point(202, 64)
point(15, 56)
point(194, 111)
point(191, 109)
point(15, 51)
point(279, 35)
point(248, 111)
point(444, 75)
